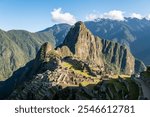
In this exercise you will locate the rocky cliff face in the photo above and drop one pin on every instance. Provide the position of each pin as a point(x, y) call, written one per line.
point(118, 57)
point(81, 43)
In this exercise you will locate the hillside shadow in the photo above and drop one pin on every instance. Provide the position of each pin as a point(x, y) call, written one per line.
point(7, 86)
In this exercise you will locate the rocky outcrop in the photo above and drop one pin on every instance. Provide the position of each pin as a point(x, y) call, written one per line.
point(118, 57)
point(83, 44)
point(42, 55)
point(64, 51)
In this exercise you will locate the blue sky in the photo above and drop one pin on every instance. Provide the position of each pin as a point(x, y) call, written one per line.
point(35, 15)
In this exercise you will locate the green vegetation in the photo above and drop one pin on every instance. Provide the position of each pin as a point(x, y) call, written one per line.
point(121, 76)
point(65, 64)
point(85, 83)
point(118, 90)
point(17, 47)
point(73, 68)
point(53, 54)
point(133, 89)
point(83, 73)
point(146, 74)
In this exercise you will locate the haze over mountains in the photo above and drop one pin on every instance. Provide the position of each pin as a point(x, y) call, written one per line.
point(19, 47)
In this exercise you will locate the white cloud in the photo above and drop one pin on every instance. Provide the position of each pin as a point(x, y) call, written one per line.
point(136, 15)
point(62, 17)
point(114, 15)
point(148, 17)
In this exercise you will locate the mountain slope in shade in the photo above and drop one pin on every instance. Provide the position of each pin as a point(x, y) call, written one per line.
point(59, 32)
point(17, 47)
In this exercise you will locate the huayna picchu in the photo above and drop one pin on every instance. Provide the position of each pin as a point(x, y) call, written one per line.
point(84, 66)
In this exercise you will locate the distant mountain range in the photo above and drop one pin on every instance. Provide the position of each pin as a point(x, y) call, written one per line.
point(17, 47)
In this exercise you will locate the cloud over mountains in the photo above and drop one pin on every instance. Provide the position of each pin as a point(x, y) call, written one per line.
point(59, 16)
point(136, 15)
point(115, 15)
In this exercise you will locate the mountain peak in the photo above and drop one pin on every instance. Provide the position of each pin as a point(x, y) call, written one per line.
point(77, 33)
point(82, 43)
point(80, 24)
point(44, 50)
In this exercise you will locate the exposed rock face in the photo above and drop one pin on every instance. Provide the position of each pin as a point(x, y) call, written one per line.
point(47, 58)
point(118, 57)
point(82, 44)
point(44, 50)
point(64, 51)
